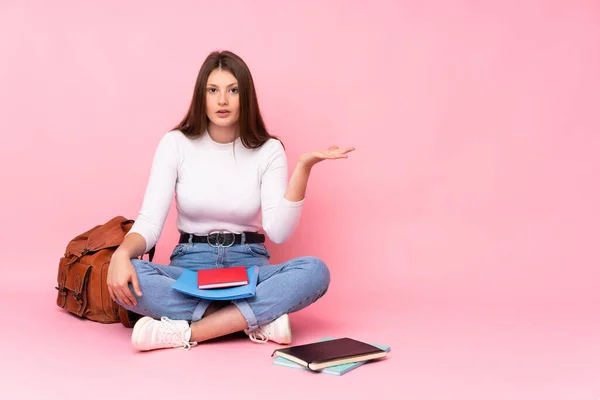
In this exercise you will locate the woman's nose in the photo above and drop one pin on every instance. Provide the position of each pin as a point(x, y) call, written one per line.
point(223, 100)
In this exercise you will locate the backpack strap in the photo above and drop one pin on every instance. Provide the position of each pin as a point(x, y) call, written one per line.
point(151, 253)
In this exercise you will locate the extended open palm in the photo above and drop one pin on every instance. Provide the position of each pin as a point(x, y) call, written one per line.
point(331, 153)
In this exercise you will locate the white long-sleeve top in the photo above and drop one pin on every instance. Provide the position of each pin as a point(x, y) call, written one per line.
point(218, 186)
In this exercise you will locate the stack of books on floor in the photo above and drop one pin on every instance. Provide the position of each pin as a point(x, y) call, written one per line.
point(329, 355)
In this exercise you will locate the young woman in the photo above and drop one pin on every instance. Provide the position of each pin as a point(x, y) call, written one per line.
point(229, 176)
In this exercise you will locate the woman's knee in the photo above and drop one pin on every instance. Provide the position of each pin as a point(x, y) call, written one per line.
point(318, 270)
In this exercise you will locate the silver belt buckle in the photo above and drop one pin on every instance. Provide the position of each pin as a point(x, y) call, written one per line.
point(220, 239)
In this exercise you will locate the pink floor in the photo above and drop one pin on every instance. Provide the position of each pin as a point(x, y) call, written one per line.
point(440, 350)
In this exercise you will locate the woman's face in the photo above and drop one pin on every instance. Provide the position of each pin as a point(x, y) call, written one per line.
point(222, 98)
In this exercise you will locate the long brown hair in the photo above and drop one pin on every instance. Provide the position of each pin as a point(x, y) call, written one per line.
point(253, 132)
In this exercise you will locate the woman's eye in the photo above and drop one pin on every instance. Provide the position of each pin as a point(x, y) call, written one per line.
point(234, 90)
point(212, 90)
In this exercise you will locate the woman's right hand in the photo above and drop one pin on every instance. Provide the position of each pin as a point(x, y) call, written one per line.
point(120, 273)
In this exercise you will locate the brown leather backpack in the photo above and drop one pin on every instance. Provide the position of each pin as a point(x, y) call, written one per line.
point(83, 270)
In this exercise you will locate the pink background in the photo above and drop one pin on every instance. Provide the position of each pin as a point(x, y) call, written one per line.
point(463, 231)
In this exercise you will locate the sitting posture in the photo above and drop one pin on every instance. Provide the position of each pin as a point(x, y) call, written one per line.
point(230, 179)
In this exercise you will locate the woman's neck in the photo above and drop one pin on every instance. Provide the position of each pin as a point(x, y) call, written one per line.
point(222, 134)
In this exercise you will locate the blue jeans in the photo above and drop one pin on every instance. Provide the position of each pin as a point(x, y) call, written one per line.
point(282, 288)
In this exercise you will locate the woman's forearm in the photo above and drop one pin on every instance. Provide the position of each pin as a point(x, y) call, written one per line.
point(133, 246)
point(296, 189)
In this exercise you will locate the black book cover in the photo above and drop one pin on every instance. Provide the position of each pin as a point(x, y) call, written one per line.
point(329, 350)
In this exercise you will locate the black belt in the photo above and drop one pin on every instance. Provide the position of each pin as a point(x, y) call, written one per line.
point(225, 239)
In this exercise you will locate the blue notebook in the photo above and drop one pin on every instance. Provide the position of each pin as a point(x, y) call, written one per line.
point(337, 370)
point(188, 283)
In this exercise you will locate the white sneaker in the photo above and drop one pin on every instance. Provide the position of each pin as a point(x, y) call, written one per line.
point(149, 334)
point(278, 331)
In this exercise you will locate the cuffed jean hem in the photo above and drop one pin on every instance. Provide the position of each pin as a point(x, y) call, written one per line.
point(247, 312)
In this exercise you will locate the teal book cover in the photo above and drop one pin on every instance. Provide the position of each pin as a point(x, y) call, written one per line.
point(337, 370)
point(188, 283)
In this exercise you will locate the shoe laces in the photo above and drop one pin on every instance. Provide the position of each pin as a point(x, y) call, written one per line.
point(258, 336)
point(169, 333)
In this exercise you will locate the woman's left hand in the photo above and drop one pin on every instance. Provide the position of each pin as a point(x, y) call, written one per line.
point(331, 153)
